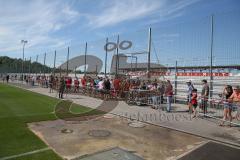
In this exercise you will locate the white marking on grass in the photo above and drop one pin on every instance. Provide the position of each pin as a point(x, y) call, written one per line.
point(25, 154)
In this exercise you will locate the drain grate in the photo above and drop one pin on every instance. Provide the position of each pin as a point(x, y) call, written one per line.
point(99, 133)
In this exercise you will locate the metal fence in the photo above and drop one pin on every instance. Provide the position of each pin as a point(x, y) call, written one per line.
point(207, 48)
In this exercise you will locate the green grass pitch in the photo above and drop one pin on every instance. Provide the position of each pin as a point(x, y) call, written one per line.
point(18, 107)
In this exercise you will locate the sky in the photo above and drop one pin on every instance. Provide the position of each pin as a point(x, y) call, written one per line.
point(54, 25)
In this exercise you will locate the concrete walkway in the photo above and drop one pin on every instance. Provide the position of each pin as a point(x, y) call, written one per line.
point(179, 119)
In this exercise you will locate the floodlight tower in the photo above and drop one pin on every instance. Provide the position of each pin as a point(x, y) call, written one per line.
point(24, 43)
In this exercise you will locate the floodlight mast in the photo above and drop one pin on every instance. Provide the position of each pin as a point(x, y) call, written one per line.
point(24, 43)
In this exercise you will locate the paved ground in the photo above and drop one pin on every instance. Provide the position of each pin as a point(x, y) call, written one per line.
point(150, 142)
point(209, 150)
point(178, 119)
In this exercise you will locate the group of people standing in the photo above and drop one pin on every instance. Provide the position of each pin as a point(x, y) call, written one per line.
point(192, 97)
point(230, 98)
point(118, 87)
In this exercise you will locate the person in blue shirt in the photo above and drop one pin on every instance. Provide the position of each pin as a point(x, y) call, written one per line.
point(189, 94)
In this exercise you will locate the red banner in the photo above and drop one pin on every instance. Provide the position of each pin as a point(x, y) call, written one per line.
point(203, 74)
point(144, 73)
point(197, 74)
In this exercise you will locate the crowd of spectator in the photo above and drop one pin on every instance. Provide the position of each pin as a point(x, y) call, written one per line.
point(121, 87)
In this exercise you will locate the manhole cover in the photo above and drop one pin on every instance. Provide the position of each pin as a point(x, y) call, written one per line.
point(99, 133)
point(66, 131)
point(136, 124)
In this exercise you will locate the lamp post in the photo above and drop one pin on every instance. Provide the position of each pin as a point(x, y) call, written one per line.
point(24, 43)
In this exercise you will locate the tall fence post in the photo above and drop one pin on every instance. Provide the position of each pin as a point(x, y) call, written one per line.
point(44, 63)
point(36, 65)
point(29, 67)
point(175, 81)
point(117, 58)
point(67, 59)
point(96, 70)
point(75, 70)
point(106, 52)
point(54, 63)
point(60, 71)
point(149, 52)
point(211, 61)
point(85, 59)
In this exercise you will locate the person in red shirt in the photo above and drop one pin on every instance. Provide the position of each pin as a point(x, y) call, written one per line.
point(127, 85)
point(84, 83)
point(194, 102)
point(116, 85)
point(69, 83)
point(76, 85)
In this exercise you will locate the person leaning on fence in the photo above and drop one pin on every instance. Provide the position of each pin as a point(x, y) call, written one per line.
point(235, 100)
point(169, 94)
point(62, 86)
point(227, 112)
point(204, 96)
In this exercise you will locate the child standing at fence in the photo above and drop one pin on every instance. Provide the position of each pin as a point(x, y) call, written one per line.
point(194, 102)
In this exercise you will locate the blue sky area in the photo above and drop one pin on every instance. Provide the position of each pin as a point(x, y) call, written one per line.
point(181, 28)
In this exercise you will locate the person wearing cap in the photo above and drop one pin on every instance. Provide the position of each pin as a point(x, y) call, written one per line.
point(189, 94)
point(204, 95)
point(235, 100)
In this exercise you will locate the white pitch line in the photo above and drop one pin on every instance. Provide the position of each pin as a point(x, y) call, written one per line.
point(25, 154)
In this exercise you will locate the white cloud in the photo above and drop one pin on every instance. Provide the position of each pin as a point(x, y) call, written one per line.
point(35, 21)
point(38, 20)
point(120, 11)
point(175, 9)
point(125, 10)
